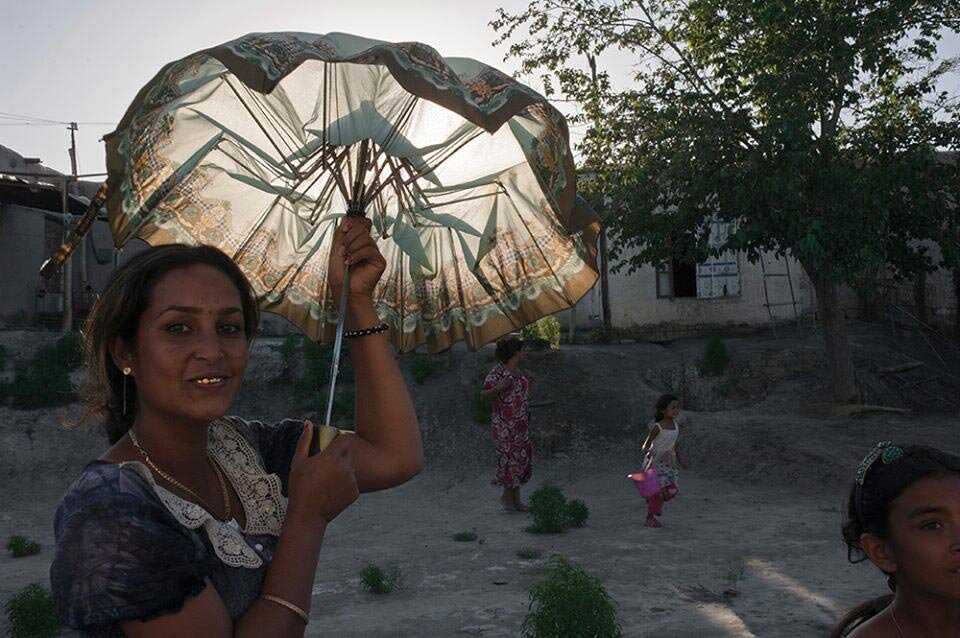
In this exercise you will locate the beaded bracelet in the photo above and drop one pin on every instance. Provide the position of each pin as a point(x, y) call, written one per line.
point(350, 334)
point(288, 605)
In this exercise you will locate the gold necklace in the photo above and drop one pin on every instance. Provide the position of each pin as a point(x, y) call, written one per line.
point(216, 470)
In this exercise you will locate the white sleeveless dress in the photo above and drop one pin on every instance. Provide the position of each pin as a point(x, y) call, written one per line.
point(664, 454)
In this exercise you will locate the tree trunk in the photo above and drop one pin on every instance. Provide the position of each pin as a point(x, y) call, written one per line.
point(836, 339)
point(956, 294)
point(920, 296)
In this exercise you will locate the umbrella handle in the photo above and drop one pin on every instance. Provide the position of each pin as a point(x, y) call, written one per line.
point(338, 342)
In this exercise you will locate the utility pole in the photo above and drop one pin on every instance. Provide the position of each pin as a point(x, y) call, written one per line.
point(604, 283)
point(68, 266)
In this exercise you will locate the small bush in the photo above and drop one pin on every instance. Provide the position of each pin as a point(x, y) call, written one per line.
point(576, 513)
point(44, 381)
point(464, 537)
point(715, 357)
point(421, 367)
point(546, 329)
point(66, 351)
point(375, 580)
point(547, 508)
point(31, 613)
point(527, 553)
point(735, 573)
point(290, 346)
point(570, 602)
point(3, 358)
point(306, 388)
point(21, 546)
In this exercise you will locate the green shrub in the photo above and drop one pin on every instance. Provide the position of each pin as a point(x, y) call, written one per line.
point(290, 346)
point(66, 351)
point(3, 358)
point(381, 581)
point(545, 329)
point(309, 391)
point(21, 546)
point(306, 388)
point(571, 603)
point(715, 357)
point(576, 513)
point(733, 576)
point(465, 537)
point(44, 381)
point(421, 367)
point(31, 613)
point(527, 553)
point(547, 508)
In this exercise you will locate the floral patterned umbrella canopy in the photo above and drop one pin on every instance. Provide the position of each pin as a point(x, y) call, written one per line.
point(259, 145)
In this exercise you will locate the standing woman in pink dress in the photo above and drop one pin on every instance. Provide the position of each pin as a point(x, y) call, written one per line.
point(510, 390)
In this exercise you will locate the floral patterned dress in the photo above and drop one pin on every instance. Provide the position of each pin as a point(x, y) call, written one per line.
point(510, 428)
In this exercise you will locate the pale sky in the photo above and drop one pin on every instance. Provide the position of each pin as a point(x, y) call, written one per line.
point(85, 60)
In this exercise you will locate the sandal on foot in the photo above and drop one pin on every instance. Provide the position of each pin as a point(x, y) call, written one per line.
point(652, 522)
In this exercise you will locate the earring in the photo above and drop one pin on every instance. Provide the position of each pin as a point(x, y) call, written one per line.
point(126, 373)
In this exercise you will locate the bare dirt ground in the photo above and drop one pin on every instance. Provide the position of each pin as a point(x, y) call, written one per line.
point(759, 509)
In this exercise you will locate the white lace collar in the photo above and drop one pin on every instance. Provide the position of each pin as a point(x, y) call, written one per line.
point(260, 494)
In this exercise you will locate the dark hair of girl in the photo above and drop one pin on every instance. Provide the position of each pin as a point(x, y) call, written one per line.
point(662, 404)
point(117, 314)
point(506, 348)
point(868, 512)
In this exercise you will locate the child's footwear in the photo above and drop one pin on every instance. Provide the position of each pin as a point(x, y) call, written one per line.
point(652, 522)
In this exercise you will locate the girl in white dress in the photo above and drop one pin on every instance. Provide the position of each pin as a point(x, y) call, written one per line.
point(661, 452)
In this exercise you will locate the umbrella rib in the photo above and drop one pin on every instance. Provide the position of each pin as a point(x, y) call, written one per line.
point(323, 200)
point(373, 189)
point(249, 170)
point(276, 124)
point(303, 192)
point(334, 170)
point(389, 166)
point(446, 153)
point(405, 113)
point(467, 199)
point(430, 167)
point(283, 157)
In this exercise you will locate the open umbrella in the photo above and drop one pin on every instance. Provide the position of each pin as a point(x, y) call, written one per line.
point(261, 144)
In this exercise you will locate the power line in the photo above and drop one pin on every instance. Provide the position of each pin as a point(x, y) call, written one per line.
point(14, 116)
point(27, 120)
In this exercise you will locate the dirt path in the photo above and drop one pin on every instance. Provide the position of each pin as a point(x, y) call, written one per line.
point(667, 582)
point(758, 512)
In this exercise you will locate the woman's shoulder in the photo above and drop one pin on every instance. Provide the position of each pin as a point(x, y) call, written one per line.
point(120, 554)
point(877, 627)
point(104, 480)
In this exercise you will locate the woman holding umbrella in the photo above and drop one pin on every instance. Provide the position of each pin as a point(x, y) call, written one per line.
point(182, 527)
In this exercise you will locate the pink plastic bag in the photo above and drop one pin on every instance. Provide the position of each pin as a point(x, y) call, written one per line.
point(647, 482)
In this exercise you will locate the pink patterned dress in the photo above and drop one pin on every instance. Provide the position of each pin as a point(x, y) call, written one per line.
point(511, 434)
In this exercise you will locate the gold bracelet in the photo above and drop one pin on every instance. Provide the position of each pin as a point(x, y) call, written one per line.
point(286, 603)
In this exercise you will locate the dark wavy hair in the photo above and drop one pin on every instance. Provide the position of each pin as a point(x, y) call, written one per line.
point(506, 348)
point(868, 512)
point(661, 406)
point(117, 314)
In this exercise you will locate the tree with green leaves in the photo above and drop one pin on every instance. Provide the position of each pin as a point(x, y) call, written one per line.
point(816, 125)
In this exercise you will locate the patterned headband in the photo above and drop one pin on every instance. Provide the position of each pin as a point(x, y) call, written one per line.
point(886, 451)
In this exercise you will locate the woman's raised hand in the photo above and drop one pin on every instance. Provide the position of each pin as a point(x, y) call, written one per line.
point(353, 244)
point(322, 485)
